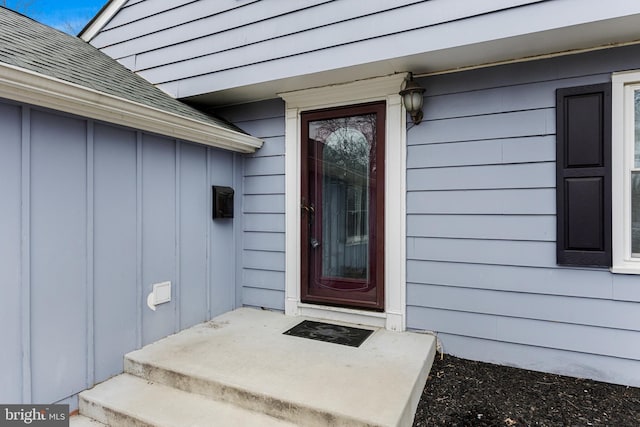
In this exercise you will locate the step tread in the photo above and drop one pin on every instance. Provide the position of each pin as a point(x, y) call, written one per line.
point(127, 399)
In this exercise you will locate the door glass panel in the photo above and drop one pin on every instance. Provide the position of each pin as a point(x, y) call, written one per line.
point(345, 196)
point(635, 181)
point(635, 213)
point(636, 157)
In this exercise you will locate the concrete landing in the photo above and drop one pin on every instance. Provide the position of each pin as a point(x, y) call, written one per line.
point(242, 359)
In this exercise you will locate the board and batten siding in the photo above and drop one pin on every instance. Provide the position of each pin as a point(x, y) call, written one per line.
point(262, 279)
point(481, 266)
point(189, 48)
point(92, 215)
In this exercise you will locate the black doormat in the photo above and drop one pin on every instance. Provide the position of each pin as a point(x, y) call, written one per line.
point(328, 332)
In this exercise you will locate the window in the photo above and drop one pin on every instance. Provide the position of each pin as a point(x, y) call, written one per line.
point(626, 172)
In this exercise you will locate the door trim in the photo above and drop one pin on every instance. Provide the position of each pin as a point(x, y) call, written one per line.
point(358, 92)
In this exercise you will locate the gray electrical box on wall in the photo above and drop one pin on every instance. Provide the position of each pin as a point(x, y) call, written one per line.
point(222, 202)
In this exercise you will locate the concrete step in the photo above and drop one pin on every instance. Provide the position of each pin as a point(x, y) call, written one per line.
point(82, 421)
point(127, 400)
point(243, 358)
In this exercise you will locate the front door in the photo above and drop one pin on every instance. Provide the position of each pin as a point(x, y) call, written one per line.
point(342, 230)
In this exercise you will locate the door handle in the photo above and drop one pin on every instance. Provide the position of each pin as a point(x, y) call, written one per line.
point(311, 214)
point(307, 208)
point(310, 210)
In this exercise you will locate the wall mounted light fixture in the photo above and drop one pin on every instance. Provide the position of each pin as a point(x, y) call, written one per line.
point(412, 98)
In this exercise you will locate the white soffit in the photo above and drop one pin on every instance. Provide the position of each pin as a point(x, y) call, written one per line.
point(27, 86)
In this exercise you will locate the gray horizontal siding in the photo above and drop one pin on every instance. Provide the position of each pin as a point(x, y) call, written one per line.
point(509, 124)
point(610, 342)
point(92, 216)
point(567, 71)
point(605, 368)
point(481, 266)
point(523, 96)
point(203, 43)
point(488, 227)
point(263, 185)
point(134, 10)
point(625, 288)
point(527, 175)
point(262, 297)
point(170, 17)
point(528, 201)
point(597, 284)
point(262, 281)
point(485, 152)
point(479, 251)
point(264, 241)
point(274, 223)
point(604, 313)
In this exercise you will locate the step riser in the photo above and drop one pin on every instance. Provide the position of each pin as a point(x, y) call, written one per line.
point(127, 400)
point(240, 397)
point(108, 416)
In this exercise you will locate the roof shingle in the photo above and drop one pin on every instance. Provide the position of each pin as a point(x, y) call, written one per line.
point(28, 44)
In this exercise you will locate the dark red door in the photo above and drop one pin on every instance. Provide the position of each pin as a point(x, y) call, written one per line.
point(342, 242)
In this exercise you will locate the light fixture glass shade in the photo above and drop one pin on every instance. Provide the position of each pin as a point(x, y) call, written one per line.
point(412, 98)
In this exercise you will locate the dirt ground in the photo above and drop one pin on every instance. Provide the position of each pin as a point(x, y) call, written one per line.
point(467, 393)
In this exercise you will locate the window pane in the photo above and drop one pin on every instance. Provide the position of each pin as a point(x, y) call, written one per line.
point(636, 99)
point(343, 193)
point(635, 213)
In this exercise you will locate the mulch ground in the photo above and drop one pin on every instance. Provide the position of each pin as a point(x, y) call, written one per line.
point(461, 392)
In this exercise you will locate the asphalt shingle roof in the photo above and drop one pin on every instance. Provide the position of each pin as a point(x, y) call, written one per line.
point(34, 46)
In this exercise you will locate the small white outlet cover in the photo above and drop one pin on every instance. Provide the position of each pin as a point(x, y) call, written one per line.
point(162, 292)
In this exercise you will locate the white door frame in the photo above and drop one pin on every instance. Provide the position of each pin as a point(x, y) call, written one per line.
point(377, 89)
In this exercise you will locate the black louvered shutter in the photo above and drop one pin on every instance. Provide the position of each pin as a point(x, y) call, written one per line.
point(583, 175)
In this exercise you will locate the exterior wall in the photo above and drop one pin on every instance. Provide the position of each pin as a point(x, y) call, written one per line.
point(92, 215)
point(190, 48)
point(262, 280)
point(481, 267)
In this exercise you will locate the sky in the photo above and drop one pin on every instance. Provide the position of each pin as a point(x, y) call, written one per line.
point(67, 15)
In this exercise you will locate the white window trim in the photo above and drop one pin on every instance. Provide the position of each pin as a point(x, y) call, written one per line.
point(622, 137)
point(376, 89)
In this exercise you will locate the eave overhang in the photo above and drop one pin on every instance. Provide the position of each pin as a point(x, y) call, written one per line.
point(30, 87)
point(101, 19)
point(535, 30)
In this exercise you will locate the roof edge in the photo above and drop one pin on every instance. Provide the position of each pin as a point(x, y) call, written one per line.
point(101, 19)
point(27, 86)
